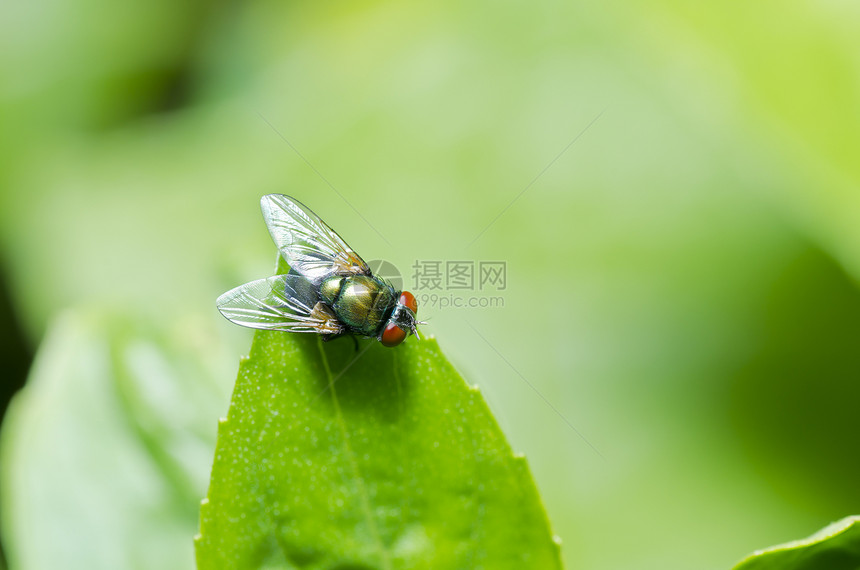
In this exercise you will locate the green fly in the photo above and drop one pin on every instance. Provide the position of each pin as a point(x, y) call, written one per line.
point(329, 289)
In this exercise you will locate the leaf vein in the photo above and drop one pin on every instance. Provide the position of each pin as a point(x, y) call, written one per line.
point(363, 495)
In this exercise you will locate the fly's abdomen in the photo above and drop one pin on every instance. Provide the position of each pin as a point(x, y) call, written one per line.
point(360, 302)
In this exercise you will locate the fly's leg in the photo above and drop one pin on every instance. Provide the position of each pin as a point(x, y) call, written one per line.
point(328, 337)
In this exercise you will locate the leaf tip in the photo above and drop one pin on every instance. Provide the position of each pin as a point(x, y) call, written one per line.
point(817, 546)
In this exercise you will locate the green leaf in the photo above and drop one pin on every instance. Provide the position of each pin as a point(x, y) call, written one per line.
point(835, 547)
point(377, 458)
point(105, 451)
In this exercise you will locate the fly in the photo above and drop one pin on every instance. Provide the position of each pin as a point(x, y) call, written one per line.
point(329, 289)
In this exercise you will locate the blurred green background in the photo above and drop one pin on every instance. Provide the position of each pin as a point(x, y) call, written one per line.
point(682, 281)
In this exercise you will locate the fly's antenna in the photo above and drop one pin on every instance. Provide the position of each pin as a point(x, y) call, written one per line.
point(415, 332)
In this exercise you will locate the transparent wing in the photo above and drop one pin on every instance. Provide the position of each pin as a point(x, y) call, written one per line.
point(281, 303)
point(306, 243)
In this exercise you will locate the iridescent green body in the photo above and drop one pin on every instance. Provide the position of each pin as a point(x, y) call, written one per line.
point(361, 302)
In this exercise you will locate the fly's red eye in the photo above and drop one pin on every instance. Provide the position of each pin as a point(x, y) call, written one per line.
point(407, 299)
point(392, 335)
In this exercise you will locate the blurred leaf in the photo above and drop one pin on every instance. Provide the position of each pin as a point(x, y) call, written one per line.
point(792, 89)
point(787, 402)
point(835, 547)
point(377, 459)
point(105, 451)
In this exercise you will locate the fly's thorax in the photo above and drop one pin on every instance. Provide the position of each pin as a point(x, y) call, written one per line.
point(330, 289)
point(360, 302)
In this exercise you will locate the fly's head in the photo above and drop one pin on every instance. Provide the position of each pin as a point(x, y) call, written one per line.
point(402, 321)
